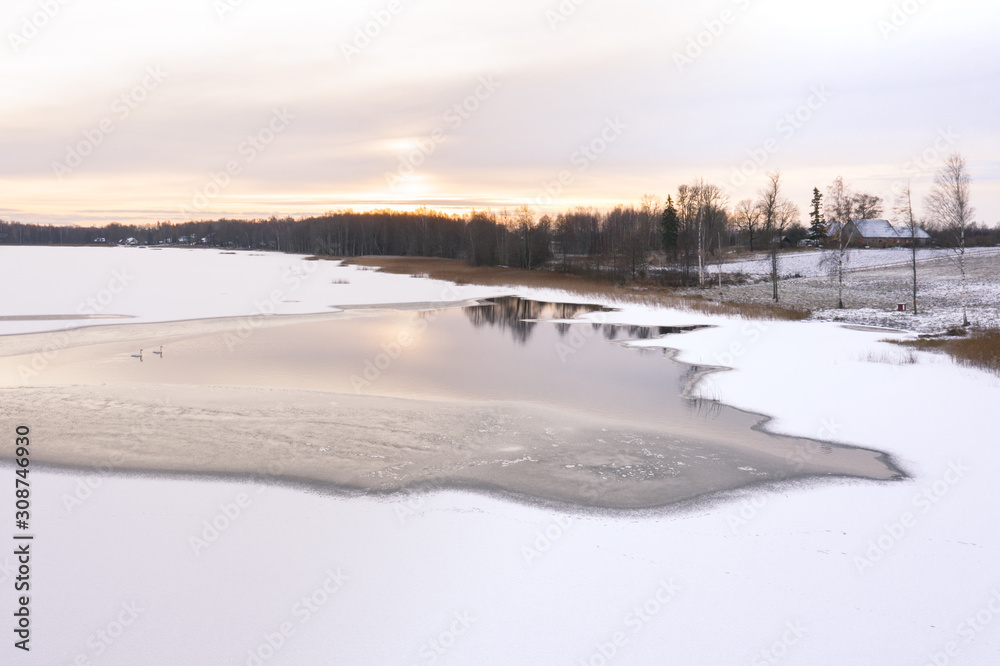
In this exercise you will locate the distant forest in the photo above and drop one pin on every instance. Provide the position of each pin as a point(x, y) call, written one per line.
point(621, 244)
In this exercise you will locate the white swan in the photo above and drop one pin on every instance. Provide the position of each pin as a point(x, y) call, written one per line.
point(158, 351)
point(138, 356)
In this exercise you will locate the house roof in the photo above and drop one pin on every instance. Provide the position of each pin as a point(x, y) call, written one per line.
point(881, 229)
point(904, 232)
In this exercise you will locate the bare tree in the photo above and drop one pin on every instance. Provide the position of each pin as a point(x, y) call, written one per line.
point(719, 257)
point(950, 202)
point(502, 233)
point(685, 217)
point(777, 213)
point(649, 208)
point(867, 206)
point(839, 206)
point(748, 218)
point(524, 220)
point(904, 212)
point(700, 225)
point(710, 216)
point(577, 231)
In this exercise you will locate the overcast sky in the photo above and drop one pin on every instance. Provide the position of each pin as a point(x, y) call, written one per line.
point(128, 111)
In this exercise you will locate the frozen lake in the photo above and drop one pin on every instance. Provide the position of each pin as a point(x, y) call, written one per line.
point(801, 573)
point(507, 395)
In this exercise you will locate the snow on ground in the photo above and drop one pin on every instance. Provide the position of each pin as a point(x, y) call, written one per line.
point(809, 263)
point(878, 280)
point(160, 571)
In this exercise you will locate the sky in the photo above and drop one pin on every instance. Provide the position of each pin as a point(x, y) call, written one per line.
point(138, 112)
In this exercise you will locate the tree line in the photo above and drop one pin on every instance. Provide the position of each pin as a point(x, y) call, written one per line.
point(681, 237)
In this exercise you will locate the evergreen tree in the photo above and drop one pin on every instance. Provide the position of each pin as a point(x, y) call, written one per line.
point(670, 227)
point(817, 226)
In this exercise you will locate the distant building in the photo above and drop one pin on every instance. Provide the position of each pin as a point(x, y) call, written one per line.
point(879, 233)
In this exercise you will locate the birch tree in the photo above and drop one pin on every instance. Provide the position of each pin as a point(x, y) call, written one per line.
point(950, 202)
point(699, 196)
point(904, 213)
point(840, 204)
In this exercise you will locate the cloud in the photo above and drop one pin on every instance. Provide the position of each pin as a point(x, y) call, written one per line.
point(560, 79)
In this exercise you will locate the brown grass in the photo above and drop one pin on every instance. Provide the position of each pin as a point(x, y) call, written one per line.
point(908, 357)
point(460, 272)
point(979, 349)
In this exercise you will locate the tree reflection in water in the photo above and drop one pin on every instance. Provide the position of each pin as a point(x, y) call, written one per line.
point(520, 316)
point(516, 315)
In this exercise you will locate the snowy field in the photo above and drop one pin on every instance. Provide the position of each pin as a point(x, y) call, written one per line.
point(875, 282)
point(809, 263)
point(170, 571)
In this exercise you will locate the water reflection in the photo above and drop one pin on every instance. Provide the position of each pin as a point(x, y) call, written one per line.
point(503, 350)
point(519, 317)
point(496, 396)
point(515, 315)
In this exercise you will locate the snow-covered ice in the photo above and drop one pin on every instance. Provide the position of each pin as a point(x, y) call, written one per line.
point(146, 284)
point(167, 571)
